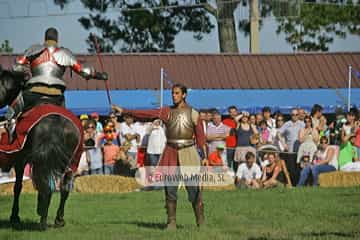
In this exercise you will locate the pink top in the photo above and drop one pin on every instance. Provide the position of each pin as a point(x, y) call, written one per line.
point(110, 152)
point(357, 138)
point(265, 133)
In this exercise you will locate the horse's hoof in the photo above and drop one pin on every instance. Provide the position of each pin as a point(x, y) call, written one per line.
point(15, 222)
point(43, 224)
point(59, 222)
point(15, 219)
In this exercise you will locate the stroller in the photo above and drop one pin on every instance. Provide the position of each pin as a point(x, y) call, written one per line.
point(262, 150)
point(260, 153)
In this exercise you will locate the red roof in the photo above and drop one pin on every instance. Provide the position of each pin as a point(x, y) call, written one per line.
point(224, 71)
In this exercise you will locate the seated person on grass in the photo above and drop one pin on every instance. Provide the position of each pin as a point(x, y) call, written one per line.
point(326, 163)
point(275, 173)
point(248, 174)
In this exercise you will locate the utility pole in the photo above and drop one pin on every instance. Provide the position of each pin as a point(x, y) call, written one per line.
point(254, 26)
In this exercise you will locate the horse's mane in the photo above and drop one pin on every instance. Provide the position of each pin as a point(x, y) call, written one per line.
point(10, 86)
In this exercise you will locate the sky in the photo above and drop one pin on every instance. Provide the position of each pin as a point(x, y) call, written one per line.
point(23, 23)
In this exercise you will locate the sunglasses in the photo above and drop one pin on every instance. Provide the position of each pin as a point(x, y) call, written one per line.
point(294, 114)
point(112, 116)
point(93, 127)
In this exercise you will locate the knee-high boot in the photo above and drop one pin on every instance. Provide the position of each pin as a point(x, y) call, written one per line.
point(198, 207)
point(171, 214)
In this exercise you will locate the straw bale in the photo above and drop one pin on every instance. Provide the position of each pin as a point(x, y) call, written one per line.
point(339, 179)
point(7, 188)
point(105, 184)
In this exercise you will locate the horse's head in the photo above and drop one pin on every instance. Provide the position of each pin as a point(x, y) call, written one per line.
point(10, 86)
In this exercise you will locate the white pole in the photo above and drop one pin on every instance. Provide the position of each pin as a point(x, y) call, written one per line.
point(161, 87)
point(349, 90)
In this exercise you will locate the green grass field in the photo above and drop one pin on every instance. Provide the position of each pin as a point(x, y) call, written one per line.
point(307, 213)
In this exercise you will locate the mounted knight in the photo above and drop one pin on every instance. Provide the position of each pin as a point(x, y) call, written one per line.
point(47, 136)
point(42, 67)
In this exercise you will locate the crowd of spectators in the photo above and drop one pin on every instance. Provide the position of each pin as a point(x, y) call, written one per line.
point(262, 149)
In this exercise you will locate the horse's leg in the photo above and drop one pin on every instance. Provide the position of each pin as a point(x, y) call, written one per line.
point(19, 171)
point(59, 220)
point(66, 185)
point(44, 199)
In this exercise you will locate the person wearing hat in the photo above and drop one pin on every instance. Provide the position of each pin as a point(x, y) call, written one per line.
point(83, 118)
point(96, 117)
point(215, 157)
point(216, 134)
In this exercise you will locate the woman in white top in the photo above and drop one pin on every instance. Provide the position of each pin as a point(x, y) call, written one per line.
point(309, 138)
point(327, 163)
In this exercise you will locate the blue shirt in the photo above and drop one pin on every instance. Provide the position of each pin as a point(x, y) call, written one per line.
point(290, 130)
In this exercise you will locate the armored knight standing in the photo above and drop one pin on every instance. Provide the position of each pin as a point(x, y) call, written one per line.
point(184, 130)
point(47, 63)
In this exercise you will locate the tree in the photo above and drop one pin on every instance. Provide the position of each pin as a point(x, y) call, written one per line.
point(142, 27)
point(317, 24)
point(139, 29)
point(5, 47)
point(151, 25)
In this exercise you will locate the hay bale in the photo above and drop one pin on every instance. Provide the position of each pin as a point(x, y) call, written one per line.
point(7, 188)
point(339, 179)
point(105, 184)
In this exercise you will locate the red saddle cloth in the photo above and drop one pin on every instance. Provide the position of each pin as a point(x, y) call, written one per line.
point(26, 122)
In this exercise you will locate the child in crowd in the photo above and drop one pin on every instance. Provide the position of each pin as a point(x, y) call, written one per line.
point(305, 161)
point(110, 153)
point(264, 133)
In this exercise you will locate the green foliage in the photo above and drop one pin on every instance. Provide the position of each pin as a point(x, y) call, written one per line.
point(145, 26)
point(5, 47)
point(137, 28)
point(317, 25)
point(297, 214)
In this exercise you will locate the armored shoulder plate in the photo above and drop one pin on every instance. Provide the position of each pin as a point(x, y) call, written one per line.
point(34, 50)
point(64, 57)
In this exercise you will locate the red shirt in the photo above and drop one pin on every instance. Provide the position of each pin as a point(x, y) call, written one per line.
point(215, 159)
point(231, 139)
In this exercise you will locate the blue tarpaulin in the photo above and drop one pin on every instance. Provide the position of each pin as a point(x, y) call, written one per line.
point(85, 101)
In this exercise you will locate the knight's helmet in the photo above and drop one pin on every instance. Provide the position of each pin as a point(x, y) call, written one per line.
point(51, 34)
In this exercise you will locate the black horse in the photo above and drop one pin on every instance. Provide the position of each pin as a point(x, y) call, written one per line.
point(49, 148)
